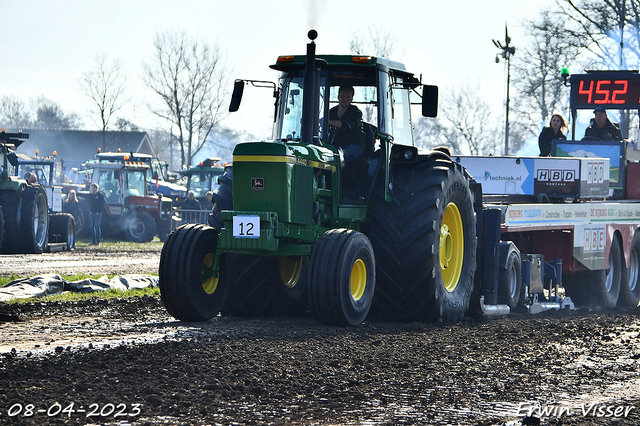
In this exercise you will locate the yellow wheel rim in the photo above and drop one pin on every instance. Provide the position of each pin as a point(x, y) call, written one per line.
point(451, 247)
point(358, 279)
point(290, 271)
point(209, 283)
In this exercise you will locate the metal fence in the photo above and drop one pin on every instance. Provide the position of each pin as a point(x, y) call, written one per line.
point(181, 217)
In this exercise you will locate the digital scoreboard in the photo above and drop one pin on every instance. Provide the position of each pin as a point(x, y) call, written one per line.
point(609, 90)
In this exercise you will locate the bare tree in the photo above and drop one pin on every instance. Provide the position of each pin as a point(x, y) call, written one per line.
point(191, 81)
point(49, 115)
point(162, 145)
point(105, 86)
point(431, 132)
point(598, 26)
point(608, 30)
point(470, 121)
point(540, 87)
point(14, 113)
point(376, 42)
point(125, 125)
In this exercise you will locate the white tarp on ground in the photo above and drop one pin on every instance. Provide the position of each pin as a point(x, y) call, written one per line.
point(48, 284)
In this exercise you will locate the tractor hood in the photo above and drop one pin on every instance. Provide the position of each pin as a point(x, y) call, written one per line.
point(298, 153)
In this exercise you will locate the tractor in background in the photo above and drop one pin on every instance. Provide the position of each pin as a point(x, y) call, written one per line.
point(31, 218)
point(130, 212)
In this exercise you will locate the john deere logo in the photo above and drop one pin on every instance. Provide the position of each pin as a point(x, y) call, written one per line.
point(257, 184)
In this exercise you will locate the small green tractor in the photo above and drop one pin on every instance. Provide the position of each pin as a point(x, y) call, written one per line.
point(293, 228)
point(202, 178)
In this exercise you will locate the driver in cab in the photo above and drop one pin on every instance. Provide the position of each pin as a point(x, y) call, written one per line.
point(602, 128)
point(347, 120)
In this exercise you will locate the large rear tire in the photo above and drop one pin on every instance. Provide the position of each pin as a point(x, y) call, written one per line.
point(188, 289)
point(34, 220)
point(425, 242)
point(342, 277)
point(630, 287)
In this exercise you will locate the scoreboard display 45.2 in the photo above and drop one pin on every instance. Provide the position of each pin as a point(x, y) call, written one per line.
point(610, 90)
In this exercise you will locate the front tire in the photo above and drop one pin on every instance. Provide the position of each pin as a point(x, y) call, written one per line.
point(188, 288)
point(425, 242)
point(342, 277)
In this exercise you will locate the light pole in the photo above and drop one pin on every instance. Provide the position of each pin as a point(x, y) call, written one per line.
point(507, 52)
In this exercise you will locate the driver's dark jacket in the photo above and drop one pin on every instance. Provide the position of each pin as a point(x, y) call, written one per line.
point(351, 132)
point(609, 132)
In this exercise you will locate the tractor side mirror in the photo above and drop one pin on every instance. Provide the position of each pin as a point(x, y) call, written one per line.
point(236, 96)
point(430, 101)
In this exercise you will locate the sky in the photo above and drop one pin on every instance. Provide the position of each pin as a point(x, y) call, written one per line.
point(48, 45)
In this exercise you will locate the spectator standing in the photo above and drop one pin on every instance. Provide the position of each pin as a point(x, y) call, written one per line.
point(191, 203)
point(71, 204)
point(96, 207)
point(208, 205)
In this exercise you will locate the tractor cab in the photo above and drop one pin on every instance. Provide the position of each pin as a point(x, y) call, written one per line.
point(308, 90)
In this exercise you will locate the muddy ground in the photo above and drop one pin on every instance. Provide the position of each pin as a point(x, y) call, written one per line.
point(127, 362)
point(85, 258)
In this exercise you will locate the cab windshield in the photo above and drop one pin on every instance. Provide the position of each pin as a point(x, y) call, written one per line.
point(289, 121)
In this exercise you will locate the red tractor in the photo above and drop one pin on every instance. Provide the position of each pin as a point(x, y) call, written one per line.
point(129, 211)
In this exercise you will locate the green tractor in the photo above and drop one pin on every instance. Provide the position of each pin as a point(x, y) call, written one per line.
point(294, 228)
point(24, 213)
point(202, 178)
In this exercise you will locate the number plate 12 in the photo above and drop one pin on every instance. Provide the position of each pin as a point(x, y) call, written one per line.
point(246, 226)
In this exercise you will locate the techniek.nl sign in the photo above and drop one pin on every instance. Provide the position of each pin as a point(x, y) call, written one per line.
point(561, 177)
